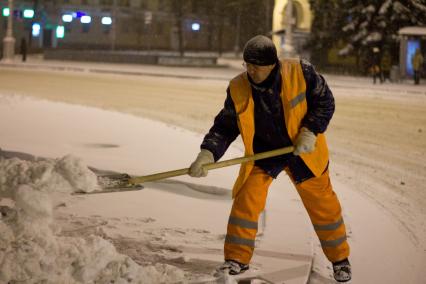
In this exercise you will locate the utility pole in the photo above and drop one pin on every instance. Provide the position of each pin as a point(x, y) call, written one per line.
point(179, 25)
point(268, 21)
point(288, 49)
point(220, 30)
point(114, 25)
point(30, 36)
point(9, 40)
point(238, 31)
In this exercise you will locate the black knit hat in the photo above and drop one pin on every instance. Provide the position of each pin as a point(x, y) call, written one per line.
point(260, 50)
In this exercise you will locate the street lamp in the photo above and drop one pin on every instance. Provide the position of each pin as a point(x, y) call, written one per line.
point(9, 40)
point(288, 49)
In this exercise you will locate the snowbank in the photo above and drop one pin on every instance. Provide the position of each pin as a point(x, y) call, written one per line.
point(31, 248)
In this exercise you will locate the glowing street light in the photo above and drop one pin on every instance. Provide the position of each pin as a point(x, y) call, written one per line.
point(196, 26)
point(36, 29)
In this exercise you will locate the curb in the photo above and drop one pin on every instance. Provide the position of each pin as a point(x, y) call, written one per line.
point(110, 71)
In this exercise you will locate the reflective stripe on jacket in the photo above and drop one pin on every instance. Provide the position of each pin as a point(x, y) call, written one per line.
point(293, 96)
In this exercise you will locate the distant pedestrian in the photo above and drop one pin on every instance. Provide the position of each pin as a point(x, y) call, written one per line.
point(417, 62)
point(385, 65)
point(375, 65)
point(24, 49)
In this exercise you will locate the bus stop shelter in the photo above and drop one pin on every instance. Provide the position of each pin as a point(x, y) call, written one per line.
point(411, 39)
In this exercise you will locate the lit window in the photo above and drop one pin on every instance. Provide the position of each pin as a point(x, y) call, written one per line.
point(86, 19)
point(67, 18)
point(28, 13)
point(106, 20)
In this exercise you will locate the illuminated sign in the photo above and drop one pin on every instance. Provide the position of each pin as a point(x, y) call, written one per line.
point(60, 32)
point(78, 14)
point(6, 12)
point(412, 46)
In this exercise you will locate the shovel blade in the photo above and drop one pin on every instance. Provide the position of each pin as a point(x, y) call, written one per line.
point(110, 190)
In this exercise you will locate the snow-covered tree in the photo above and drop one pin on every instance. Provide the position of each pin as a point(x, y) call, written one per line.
point(375, 23)
point(365, 24)
point(327, 21)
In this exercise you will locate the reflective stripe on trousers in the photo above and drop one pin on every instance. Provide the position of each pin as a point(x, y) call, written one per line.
point(245, 212)
point(319, 200)
point(325, 213)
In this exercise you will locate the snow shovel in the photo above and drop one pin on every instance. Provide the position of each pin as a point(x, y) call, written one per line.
point(125, 182)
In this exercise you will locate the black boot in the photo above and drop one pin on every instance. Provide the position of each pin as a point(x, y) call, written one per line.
point(232, 267)
point(342, 270)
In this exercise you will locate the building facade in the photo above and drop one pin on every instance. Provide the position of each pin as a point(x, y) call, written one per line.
point(122, 24)
point(195, 25)
point(301, 24)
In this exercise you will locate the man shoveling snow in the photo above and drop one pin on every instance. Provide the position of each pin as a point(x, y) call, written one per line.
point(277, 104)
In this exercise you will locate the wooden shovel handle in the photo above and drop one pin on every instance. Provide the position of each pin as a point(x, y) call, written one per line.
point(211, 166)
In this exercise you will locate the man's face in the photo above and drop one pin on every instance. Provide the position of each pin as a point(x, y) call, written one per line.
point(258, 73)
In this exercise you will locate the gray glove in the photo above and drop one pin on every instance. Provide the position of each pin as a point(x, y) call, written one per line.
point(305, 142)
point(204, 157)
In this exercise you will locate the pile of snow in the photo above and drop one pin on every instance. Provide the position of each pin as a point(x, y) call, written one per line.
point(31, 249)
point(68, 174)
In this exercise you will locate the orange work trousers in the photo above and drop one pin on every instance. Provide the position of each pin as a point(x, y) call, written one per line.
point(319, 200)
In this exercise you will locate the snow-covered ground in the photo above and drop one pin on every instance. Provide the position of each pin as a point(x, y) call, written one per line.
point(180, 222)
point(377, 141)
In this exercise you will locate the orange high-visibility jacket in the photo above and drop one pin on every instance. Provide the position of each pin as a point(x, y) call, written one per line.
point(293, 96)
